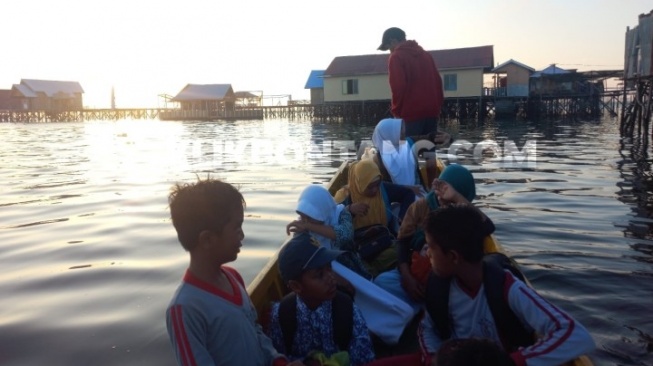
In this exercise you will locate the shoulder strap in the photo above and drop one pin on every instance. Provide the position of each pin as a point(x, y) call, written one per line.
point(388, 206)
point(511, 331)
point(432, 201)
point(288, 320)
point(437, 304)
point(342, 316)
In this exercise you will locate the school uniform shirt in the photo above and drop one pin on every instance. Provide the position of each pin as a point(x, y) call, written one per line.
point(315, 333)
point(208, 326)
point(562, 339)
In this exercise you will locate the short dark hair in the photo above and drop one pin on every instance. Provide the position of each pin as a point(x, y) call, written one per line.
point(472, 352)
point(207, 204)
point(459, 228)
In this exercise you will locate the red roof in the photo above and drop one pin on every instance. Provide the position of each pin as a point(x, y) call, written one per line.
point(457, 58)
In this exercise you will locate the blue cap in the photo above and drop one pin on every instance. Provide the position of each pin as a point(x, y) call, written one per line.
point(302, 253)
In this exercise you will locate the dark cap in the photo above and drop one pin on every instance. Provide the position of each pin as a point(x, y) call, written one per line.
point(302, 253)
point(391, 33)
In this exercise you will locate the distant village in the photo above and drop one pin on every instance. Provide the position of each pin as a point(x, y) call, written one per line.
point(355, 83)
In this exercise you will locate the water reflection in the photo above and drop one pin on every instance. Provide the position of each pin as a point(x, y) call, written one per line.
point(89, 252)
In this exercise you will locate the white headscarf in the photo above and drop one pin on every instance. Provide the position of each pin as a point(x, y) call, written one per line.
point(397, 156)
point(316, 202)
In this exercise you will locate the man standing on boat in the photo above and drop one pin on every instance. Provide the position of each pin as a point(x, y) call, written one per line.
point(415, 83)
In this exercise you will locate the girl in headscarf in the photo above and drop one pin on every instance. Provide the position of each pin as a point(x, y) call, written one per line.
point(454, 186)
point(369, 200)
point(329, 223)
point(395, 156)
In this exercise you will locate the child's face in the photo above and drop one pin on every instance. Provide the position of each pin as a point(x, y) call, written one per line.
point(373, 188)
point(308, 219)
point(228, 241)
point(318, 285)
point(441, 262)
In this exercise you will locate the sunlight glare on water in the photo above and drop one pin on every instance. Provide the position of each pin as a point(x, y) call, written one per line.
point(90, 258)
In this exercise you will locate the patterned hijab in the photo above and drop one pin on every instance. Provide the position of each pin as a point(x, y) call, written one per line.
point(397, 156)
point(361, 174)
point(316, 202)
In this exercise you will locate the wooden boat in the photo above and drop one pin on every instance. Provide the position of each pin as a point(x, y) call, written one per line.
point(268, 287)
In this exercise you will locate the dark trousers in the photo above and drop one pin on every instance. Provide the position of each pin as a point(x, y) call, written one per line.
point(422, 127)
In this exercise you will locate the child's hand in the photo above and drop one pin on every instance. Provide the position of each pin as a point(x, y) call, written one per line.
point(412, 287)
point(446, 193)
point(359, 208)
point(416, 189)
point(296, 226)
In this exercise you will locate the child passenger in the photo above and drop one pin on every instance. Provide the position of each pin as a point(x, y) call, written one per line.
point(369, 199)
point(455, 249)
point(408, 281)
point(210, 319)
point(395, 158)
point(316, 309)
point(329, 223)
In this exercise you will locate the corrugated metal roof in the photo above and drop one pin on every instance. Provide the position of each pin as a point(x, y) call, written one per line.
point(204, 92)
point(315, 80)
point(19, 90)
point(52, 87)
point(245, 95)
point(551, 70)
point(457, 58)
point(513, 62)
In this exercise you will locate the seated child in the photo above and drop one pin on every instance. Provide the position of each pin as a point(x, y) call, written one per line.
point(369, 200)
point(329, 223)
point(305, 322)
point(454, 186)
point(395, 158)
point(455, 249)
point(211, 319)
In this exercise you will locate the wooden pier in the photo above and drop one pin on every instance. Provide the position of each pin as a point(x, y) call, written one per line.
point(79, 115)
point(486, 107)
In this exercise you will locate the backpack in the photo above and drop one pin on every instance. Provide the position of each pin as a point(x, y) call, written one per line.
point(511, 331)
point(342, 318)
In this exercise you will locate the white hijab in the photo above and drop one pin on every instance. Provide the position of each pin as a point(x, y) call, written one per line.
point(316, 202)
point(397, 156)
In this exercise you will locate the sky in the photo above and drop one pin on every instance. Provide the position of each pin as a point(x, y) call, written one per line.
point(145, 48)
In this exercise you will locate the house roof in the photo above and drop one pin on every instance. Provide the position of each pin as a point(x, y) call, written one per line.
point(500, 68)
point(52, 88)
point(204, 92)
point(315, 80)
point(245, 95)
point(551, 70)
point(457, 58)
point(20, 90)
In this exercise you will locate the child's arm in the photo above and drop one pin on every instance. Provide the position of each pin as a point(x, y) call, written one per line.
point(429, 339)
point(562, 338)
point(361, 350)
point(344, 230)
point(402, 195)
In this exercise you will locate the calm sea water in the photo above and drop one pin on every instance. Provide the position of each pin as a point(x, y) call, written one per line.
point(89, 257)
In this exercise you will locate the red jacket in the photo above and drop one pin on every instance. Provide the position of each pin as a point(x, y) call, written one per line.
point(415, 83)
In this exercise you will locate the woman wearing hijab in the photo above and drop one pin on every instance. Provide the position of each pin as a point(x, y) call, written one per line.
point(329, 223)
point(369, 199)
point(454, 186)
point(395, 155)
